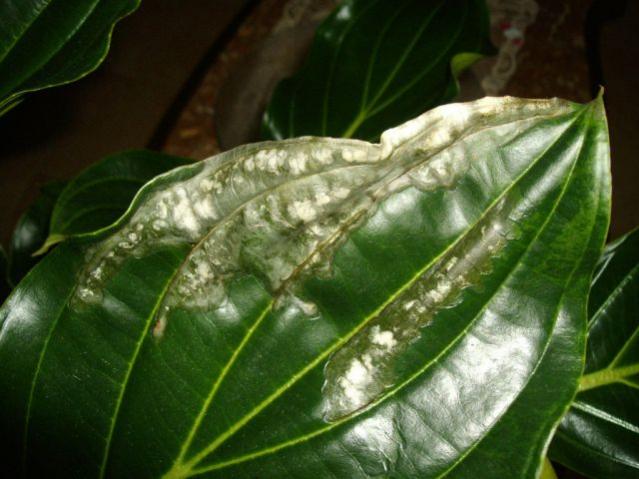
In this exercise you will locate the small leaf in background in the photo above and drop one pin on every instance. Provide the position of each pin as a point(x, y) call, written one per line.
point(102, 193)
point(322, 308)
point(375, 64)
point(547, 470)
point(31, 231)
point(44, 43)
point(599, 437)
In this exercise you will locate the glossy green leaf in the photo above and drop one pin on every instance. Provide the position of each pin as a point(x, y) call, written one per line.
point(31, 231)
point(599, 437)
point(44, 43)
point(102, 193)
point(375, 64)
point(320, 308)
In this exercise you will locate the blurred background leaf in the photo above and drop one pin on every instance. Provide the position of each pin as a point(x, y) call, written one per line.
point(599, 437)
point(31, 231)
point(375, 64)
point(44, 43)
point(101, 193)
point(94, 199)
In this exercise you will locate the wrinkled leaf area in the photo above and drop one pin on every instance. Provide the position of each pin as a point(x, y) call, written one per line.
point(450, 319)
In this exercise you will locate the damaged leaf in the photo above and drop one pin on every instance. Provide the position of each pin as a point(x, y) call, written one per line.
point(323, 308)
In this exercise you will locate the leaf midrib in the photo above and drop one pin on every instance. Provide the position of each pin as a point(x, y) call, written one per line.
point(614, 294)
point(605, 416)
point(373, 58)
point(364, 112)
point(401, 91)
point(607, 376)
point(329, 80)
point(597, 452)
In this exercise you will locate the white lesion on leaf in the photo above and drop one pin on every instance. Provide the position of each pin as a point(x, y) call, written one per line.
point(440, 126)
point(364, 368)
point(281, 209)
point(295, 197)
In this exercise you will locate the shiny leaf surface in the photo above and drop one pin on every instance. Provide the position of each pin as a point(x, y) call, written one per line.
point(103, 192)
point(31, 231)
point(599, 437)
point(375, 64)
point(44, 43)
point(323, 308)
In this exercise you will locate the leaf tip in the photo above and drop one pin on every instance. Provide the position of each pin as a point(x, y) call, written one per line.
point(598, 102)
point(597, 110)
point(51, 241)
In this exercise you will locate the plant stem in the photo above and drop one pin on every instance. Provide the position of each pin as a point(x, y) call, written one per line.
point(607, 376)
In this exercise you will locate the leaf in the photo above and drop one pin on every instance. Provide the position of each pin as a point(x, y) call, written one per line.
point(547, 471)
point(93, 200)
point(323, 308)
point(102, 193)
point(31, 231)
point(599, 437)
point(375, 64)
point(45, 43)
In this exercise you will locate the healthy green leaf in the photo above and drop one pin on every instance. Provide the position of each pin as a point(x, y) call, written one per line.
point(599, 437)
point(375, 64)
point(31, 231)
point(102, 193)
point(323, 308)
point(45, 43)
